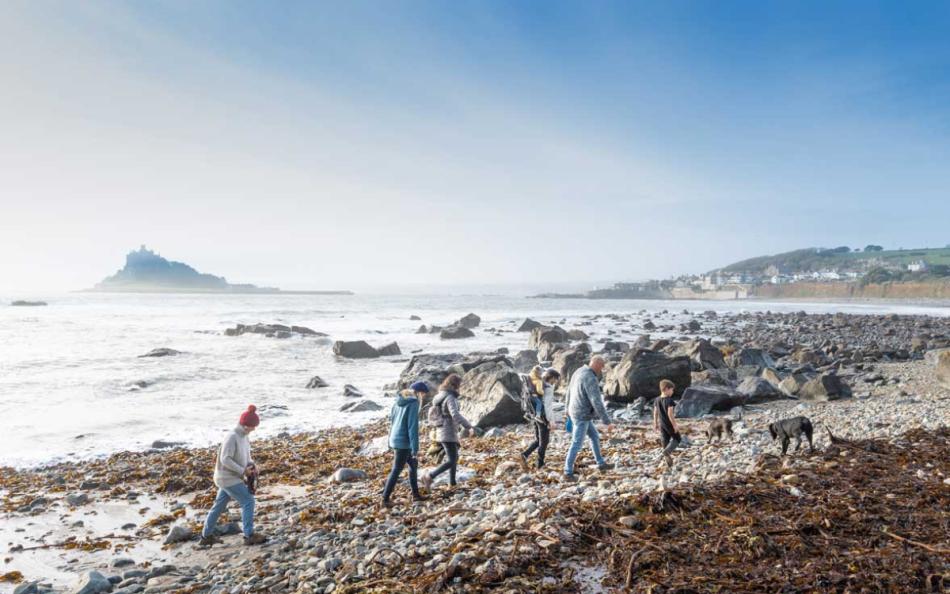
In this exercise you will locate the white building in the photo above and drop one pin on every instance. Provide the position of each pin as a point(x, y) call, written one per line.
point(917, 266)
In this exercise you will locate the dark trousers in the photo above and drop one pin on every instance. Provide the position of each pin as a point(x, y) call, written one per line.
point(400, 460)
point(542, 435)
point(451, 449)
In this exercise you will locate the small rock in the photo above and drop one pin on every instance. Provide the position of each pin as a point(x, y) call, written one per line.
point(316, 382)
point(347, 475)
point(178, 533)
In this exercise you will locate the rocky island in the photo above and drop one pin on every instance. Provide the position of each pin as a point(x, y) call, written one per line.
point(147, 272)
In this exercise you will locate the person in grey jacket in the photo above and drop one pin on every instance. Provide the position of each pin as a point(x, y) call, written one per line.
point(585, 404)
point(232, 465)
point(404, 439)
point(447, 403)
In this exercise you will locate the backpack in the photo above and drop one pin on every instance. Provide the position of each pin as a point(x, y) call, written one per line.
point(529, 399)
point(435, 416)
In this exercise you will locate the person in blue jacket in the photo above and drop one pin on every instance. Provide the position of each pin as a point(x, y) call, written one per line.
point(404, 439)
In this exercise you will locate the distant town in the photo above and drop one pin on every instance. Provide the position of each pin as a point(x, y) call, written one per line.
point(757, 277)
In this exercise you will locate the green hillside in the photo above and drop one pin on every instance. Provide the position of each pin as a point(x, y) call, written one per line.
point(815, 259)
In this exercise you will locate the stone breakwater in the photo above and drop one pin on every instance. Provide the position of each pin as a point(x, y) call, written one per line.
point(509, 530)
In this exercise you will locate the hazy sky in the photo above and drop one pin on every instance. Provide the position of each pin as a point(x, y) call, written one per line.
point(347, 144)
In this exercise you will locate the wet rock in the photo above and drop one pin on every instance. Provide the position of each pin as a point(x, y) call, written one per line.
point(351, 391)
point(568, 361)
point(160, 444)
point(316, 382)
point(528, 325)
point(354, 349)
point(577, 335)
point(414, 318)
point(389, 350)
point(455, 333)
point(825, 387)
point(547, 334)
point(360, 406)
point(93, 583)
point(347, 475)
point(470, 321)
point(612, 346)
point(705, 356)
point(757, 390)
point(161, 352)
point(751, 357)
point(639, 373)
point(525, 360)
point(121, 562)
point(702, 400)
point(178, 533)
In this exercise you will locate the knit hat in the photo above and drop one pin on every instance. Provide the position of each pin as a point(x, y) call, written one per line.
point(420, 386)
point(249, 417)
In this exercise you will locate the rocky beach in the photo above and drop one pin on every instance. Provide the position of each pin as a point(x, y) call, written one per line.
point(865, 511)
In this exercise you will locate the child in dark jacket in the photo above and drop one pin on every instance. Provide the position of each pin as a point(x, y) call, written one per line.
point(404, 439)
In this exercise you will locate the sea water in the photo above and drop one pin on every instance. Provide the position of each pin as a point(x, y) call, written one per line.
point(69, 372)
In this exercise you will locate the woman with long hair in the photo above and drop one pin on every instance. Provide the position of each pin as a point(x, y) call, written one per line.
point(445, 416)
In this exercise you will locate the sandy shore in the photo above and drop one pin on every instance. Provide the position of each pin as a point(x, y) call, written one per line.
point(112, 515)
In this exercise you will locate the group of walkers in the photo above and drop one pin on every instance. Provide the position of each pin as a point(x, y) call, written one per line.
point(235, 471)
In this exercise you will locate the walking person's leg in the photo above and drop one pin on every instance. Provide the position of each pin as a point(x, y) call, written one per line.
point(452, 451)
point(534, 444)
point(414, 476)
point(544, 437)
point(399, 461)
point(577, 442)
point(446, 447)
point(595, 443)
point(220, 503)
point(244, 498)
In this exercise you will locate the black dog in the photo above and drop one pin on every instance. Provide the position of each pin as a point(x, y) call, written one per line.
point(790, 428)
point(718, 428)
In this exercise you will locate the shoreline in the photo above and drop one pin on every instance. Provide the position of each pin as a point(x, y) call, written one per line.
point(299, 505)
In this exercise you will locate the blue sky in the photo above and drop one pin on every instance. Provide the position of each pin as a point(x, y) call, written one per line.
point(356, 143)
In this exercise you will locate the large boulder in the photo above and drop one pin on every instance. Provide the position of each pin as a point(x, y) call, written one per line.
point(456, 332)
point(548, 350)
point(354, 349)
point(93, 583)
point(793, 383)
point(942, 364)
point(491, 395)
point(528, 325)
point(750, 357)
point(702, 400)
point(360, 406)
point(525, 360)
point(568, 361)
point(825, 387)
point(639, 373)
point(389, 350)
point(705, 356)
point(552, 334)
point(756, 390)
point(433, 369)
point(470, 321)
point(577, 334)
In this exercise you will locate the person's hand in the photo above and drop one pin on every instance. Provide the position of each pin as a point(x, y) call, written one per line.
point(250, 470)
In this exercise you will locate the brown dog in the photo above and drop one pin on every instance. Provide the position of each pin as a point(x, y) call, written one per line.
point(719, 427)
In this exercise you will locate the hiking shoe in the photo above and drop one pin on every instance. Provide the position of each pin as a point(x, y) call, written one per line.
point(207, 541)
point(605, 467)
point(419, 498)
point(523, 460)
point(570, 478)
point(387, 504)
point(255, 539)
point(669, 461)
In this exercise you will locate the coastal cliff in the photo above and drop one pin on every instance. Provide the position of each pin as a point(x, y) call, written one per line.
point(855, 290)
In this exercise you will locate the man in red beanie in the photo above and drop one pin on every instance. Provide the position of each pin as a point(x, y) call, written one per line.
point(230, 468)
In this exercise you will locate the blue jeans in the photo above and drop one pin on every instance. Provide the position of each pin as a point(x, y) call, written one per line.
point(244, 498)
point(580, 430)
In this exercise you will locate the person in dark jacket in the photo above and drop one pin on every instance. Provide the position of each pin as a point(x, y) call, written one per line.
point(447, 405)
point(544, 418)
point(404, 439)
